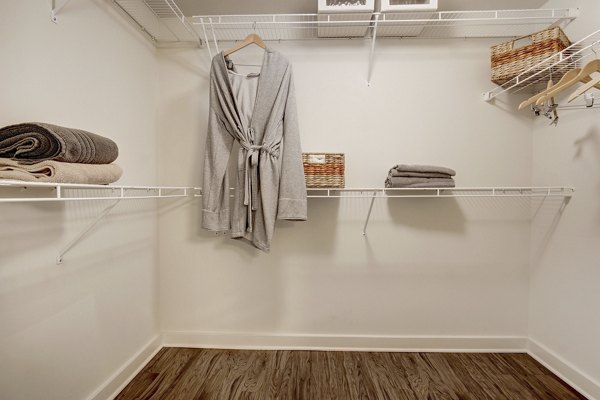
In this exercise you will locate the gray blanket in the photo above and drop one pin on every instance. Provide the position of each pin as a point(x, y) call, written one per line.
point(424, 169)
point(59, 172)
point(33, 142)
point(411, 182)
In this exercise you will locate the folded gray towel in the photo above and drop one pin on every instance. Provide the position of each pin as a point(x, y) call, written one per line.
point(405, 182)
point(448, 184)
point(59, 172)
point(394, 172)
point(424, 168)
point(36, 141)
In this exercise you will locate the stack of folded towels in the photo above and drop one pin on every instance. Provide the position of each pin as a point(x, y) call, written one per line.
point(37, 152)
point(420, 176)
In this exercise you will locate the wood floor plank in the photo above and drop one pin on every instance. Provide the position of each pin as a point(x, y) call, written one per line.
point(165, 368)
point(389, 381)
point(441, 364)
point(480, 374)
point(207, 374)
point(474, 389)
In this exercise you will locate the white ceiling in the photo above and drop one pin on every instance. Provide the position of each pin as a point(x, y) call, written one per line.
point(216, 7)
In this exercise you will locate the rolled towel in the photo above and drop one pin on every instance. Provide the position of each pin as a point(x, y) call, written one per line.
point(404, 182)
point(37, 141)
point(60, 172)
point(424, 169)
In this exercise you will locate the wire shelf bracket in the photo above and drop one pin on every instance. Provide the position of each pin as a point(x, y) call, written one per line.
point(82, 234)
point(55, 8)
point(372, 51)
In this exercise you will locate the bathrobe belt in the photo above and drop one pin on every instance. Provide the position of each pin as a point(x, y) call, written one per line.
point(251, 174)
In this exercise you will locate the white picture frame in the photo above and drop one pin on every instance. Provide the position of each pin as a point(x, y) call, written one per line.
point(337, 6)
point(408, 5)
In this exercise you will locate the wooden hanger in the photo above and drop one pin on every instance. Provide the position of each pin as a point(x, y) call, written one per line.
point(583, 76)
point(582, 89)
point(251, 38)
point(569, 75)
point(588, 70)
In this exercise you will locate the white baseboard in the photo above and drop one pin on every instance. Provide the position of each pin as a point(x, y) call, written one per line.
point(577, 379)
point(117, 382)
point(225, 340)
point(220, 340)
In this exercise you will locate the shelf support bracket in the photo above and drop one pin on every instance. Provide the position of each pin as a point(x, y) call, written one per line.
point(206, 40)
point(82, 234)
point(372, 52)
point(487, 96)
point(56, 9)
point(364, 231)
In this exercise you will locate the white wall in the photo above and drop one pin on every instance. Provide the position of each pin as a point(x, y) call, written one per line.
point(428, 267)
point(66, 329)
point(564, 298)
point(439, 267)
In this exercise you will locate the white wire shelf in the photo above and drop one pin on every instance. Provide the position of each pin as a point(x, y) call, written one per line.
point(28, 192)
point(20, 191)
point(166, 26)
point(444, 24)
point(442, 192)
point(552, 67)
point(161, 20)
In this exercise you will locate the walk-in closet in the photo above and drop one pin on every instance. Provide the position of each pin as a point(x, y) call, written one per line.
point(299, 199)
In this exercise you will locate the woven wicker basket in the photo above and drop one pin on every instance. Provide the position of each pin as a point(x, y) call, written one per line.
point(324, 170)
point(508, 62)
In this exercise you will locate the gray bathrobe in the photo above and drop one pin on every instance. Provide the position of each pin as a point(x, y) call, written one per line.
point(270, 176)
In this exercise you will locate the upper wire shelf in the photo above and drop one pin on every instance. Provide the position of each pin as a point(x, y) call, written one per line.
point(552, 67)
point(443, 24)
point(162, 21)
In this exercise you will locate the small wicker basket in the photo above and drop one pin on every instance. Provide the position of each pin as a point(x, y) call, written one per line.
point(508, 62)
point(324, 170)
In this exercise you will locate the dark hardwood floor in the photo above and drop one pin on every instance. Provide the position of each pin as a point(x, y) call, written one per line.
point(182, 373)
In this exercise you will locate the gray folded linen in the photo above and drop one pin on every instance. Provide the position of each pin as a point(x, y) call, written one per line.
point(60, 172)
point(394, 172)
point(39, 141)
point(407, 182)
point(424, 169)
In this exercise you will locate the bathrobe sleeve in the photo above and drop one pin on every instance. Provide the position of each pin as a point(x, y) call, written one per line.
point(215, 187)
point(292, 186)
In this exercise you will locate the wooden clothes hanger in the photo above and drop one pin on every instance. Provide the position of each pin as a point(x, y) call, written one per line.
point(583, 76)
point(250, 39)
point(588, 70)
point(582, 89)
point(567, 77)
